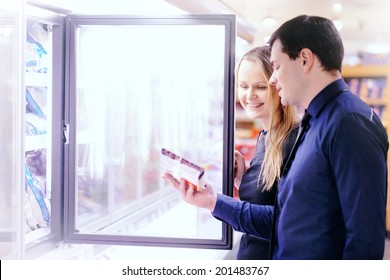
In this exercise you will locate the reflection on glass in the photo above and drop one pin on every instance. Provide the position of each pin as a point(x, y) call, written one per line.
point(10, 133)
point(140, 89)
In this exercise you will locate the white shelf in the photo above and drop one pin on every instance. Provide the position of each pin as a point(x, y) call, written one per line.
point(36, 234)
point(35, 142)
point(36, 79)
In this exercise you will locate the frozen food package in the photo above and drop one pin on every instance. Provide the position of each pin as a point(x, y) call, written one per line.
point(179, 168)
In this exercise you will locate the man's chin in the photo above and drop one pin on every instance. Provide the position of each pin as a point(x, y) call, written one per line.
point(284, 101)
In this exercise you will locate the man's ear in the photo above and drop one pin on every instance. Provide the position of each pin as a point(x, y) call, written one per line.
point(307, 58)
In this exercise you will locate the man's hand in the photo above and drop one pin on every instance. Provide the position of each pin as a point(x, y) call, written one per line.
point(203, 199)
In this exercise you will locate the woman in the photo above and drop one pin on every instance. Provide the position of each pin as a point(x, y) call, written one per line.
point(257, 184)
point(261, 101)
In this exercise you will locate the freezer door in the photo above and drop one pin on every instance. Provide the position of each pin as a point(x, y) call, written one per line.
point(11, 138)
point(133, 87)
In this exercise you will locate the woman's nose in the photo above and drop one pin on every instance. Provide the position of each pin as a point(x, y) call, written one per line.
point(252, 93)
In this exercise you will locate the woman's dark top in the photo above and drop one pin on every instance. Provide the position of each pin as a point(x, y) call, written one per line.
point(254, 248)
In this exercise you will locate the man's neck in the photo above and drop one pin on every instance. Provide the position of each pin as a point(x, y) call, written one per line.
point(317, 82)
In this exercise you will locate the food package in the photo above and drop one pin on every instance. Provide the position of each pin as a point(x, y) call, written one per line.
point(181, 168)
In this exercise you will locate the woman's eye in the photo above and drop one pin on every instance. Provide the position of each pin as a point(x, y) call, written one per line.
point(243, 86)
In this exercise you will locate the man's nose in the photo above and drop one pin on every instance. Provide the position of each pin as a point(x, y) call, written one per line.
point(272, 79)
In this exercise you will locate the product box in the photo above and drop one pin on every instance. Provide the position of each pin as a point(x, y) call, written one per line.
point(179, 168)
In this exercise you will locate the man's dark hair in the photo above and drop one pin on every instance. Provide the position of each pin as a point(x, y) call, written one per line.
point(315, 33)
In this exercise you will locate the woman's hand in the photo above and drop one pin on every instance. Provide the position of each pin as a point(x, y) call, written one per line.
point(239, 168)
point(203, 199)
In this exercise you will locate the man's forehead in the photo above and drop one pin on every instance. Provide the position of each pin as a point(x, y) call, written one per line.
point(276, 46)
point(275, 51)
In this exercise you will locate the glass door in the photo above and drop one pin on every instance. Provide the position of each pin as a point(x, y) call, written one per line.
point(43, 135)
point(11, 137)
point(134, 87)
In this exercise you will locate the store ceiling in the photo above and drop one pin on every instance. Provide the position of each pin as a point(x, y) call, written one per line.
point(366, 23)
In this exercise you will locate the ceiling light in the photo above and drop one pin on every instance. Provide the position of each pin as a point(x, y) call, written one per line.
point(269, 22)
point(337, 7)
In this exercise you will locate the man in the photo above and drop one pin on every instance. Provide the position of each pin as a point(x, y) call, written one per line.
point(332, 196)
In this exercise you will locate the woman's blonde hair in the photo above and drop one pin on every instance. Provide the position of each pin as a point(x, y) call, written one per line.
point(282, 122)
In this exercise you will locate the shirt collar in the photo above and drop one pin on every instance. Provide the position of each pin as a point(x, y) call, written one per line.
point(329, 92)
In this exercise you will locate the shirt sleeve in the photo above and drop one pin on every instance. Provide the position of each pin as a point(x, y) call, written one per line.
point(243, 216)
point(358, 154)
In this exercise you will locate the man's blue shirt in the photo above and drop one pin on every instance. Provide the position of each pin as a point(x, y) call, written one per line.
point(332, 200)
